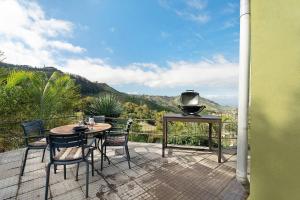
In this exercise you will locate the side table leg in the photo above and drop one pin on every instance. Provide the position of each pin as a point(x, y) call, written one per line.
point(220, 143)
point(164, 136)
point(209, 135)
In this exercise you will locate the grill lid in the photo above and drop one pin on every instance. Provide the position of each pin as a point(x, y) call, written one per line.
point(190, 102)
point(189, 98)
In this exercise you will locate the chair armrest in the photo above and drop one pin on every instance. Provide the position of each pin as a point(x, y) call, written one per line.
point(116, 133)
point(35, 136)
point(116, 129)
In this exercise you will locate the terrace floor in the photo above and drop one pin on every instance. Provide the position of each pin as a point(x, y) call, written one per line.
point(181, 175)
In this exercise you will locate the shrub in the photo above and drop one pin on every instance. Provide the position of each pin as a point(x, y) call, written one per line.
point(107, 105)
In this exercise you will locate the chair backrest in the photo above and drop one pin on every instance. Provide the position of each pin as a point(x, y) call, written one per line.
point(33, 128)
point(66, 141)
point(99, 119)
point(121, 125)
point(120, 132)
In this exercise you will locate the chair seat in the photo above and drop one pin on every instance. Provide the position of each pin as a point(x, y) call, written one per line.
point(72, 153)
point(115, 141)
point(40, 143)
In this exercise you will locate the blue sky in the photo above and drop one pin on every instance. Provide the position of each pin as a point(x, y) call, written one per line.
point(158, 47)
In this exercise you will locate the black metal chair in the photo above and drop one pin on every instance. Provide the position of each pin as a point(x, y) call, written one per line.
point(34, 139)
point(117, 136)
point(73, 149)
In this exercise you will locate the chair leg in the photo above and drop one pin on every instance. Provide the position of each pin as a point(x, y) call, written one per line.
point(55, 166)
point(87, 180)
point(43, 155)
point(92, 159)
point(77, 171)
point(128, 156)
point(104, 152)
point(47, 180)
point(101, 158)
point(24, 161)
point(65, 172)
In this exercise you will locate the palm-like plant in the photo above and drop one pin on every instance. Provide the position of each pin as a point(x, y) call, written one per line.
point(47, 97)
point(107, 105)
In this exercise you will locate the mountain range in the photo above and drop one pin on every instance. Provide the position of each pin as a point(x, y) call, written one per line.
point(88, 88)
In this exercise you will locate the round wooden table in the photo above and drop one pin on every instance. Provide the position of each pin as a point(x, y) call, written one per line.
point(68, 129)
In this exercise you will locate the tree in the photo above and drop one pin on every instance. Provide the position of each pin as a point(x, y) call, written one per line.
point(33, 95)
point(132, 110)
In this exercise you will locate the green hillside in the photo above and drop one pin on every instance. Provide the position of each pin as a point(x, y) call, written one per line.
point(88, 88)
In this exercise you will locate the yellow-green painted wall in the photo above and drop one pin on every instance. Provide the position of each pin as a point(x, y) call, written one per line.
point(275, 100)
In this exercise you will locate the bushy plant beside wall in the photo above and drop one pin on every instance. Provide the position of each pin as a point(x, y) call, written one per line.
point(27, 95)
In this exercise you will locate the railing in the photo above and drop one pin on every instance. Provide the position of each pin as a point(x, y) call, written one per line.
point(11, 133)
point(180, 133)
point(143, 130)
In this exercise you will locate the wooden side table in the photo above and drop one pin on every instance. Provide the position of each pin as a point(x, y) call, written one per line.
point(210, 119)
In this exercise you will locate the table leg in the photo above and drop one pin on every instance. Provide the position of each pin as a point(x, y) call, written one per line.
point(100, 150)
point(219, 142)
point(209, 135)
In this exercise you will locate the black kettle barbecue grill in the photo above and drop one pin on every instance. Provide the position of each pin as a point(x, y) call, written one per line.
point(190, 103)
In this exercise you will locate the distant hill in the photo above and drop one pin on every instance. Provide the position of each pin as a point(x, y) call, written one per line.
point(88, 88)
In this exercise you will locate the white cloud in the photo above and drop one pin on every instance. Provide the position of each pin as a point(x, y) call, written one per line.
point(222, 96)
point(65, 46)
point(110, 50)
point(197, 4)
point(112, 29)
point(230, 98)
point(201, 18)
point(215, 72)
point(98, 70)
point(27, 36)
point(164, 34)
point(193, 10)
point(230, 23)
point(18, 53)
point(230, 8)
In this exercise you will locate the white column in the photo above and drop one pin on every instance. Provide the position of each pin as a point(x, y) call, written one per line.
point(244, 68)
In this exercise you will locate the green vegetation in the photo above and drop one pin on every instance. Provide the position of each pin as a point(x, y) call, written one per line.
point(27, 95)
point(135, 111)
point(107, 105)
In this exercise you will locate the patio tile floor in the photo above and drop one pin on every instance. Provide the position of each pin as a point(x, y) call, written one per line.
point(182, 175)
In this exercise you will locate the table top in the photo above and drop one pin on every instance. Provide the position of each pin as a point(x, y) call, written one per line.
point(68, 129)
point(191, 117)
